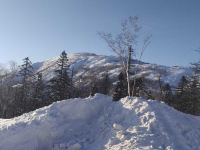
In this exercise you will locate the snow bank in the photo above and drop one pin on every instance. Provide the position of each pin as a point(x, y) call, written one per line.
point(97, 123)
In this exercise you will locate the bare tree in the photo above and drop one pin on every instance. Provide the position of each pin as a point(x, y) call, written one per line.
point(3, 70)
point(13, 66)
point(125, 44)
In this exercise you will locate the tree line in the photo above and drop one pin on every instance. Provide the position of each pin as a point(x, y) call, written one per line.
point(186, 97)
point(25, 90)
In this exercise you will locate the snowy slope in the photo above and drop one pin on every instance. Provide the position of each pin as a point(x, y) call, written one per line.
point(85, 64)
point(97, 123)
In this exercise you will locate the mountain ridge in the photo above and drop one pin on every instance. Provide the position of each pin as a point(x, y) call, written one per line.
point(85, 64)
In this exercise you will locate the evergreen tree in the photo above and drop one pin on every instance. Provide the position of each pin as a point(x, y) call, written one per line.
point(195, 88)
point(196, 69)
point(182, 86)
point(93, 84)
point(93, 89)
point(188, 100)
point(138, 87)
point(25, 95)
point(39, 92)
point(106, 84)
point(149, 94)
point(167, 93)
point(121, 88)
point(60, 84)
point(193, 97)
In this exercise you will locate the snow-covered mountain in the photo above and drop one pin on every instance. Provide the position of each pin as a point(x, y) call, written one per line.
point(87, 64)
point(97, 123)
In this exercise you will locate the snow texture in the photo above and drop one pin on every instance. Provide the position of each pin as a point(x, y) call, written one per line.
point(98, 123)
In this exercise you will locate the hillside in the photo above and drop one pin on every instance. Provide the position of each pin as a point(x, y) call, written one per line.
point(99, 123)
point(87, 64)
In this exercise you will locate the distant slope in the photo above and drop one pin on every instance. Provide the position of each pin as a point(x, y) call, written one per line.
point(87, 64)
point(97, 123)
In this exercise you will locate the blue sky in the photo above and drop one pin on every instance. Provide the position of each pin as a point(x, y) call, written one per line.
point(41, 29)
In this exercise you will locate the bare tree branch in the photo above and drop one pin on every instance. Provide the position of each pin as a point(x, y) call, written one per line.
point(121, 43)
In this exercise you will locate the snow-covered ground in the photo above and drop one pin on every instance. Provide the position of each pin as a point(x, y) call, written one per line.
point(98, 123)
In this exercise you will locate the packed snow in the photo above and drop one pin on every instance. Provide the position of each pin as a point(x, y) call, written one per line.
point(97, 123)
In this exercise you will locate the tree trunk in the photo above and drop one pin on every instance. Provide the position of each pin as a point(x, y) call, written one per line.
point(128, 71)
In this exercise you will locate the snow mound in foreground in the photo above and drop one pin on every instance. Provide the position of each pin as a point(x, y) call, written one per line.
point(97, 123)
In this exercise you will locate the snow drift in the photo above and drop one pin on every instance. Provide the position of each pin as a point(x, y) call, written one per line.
point(97, 123)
